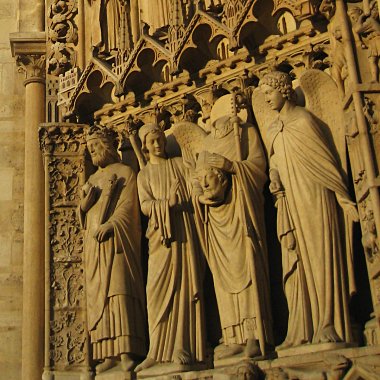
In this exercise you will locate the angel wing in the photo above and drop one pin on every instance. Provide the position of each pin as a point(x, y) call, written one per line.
point(190, 138)
point(324, 102)
point(264, 114)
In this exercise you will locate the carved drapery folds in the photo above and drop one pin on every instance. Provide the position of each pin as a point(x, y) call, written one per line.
point(63, 150)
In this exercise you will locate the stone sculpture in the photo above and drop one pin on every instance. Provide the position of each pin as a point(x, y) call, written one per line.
point(155, 14)
point(367, 28)
point(109, 214)
point(339, 65)
point(112, 25)
point(308, 182)
point(174, 285)
point(230, 216)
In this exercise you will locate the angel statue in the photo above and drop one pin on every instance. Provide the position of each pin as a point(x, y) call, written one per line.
point(174, 284)
point(308, 181)
point(229, 178)
point(109, 215)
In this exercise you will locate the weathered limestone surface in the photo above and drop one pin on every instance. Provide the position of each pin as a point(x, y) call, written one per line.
point(126, 63)
point(11, 198)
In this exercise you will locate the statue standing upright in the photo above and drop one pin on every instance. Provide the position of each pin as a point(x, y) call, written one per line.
point(229, 206)
point(155, 13)
point(309, 184)
point(114, 25)
point(109, 214)
point(174, 285)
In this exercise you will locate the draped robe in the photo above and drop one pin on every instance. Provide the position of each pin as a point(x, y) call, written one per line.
point(105, 24)
point(155, 13)
point(174, 294)
point(115, 297)
point(233, 236)
point(319, 280)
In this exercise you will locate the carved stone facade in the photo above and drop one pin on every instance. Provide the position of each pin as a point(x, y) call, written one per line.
point(63, 148)
point(195, 73)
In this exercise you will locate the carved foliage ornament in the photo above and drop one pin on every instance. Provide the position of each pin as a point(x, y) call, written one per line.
point(67, 339)
point(67, 282)
point(64, 180)
point(63, 147)
point(62, 139)
point(63, 34)
point(66, 237)
point(32, 66)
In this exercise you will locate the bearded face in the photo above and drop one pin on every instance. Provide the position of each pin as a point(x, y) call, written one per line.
point(102, 153)
point(214, 184)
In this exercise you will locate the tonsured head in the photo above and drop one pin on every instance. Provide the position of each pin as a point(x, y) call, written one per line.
point(214, 181)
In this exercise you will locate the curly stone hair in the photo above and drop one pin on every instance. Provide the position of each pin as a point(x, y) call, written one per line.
point(281, 82)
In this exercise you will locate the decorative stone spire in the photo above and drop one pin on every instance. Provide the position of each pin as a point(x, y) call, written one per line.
point(232, 11)
point(177, 21)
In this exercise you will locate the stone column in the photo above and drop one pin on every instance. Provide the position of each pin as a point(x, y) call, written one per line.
point(30, 58)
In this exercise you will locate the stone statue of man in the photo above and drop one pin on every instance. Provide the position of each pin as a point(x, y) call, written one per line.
point(230, 217)
point(109, 214)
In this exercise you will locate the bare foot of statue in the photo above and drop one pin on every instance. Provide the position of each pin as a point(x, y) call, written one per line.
point(104, 366)
point(147, 363)
point(182, 357)
point(127, 363)
point(221, 346)
point(230, 350)
point(284, 345)
point(328, 334)
point(252, 349)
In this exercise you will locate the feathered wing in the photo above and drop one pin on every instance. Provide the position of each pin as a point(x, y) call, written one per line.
point(323, 101)
point(189, 137)
point(264, 115)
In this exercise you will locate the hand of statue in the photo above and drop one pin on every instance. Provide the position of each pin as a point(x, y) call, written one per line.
point(173, 197)
point(104, 232)
point(351, 211)
point(275, 185)
point(220, 162)
point(88, 197)
point(291, 241)
point(349, 208)
point(207, 201)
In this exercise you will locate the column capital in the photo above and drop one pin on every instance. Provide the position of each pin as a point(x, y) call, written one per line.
point(33, 67)
point(29, 49)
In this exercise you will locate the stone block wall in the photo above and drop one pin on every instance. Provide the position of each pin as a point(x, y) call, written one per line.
point(11, 197)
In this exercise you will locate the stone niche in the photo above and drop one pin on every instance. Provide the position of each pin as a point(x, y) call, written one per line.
point(212, 203)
